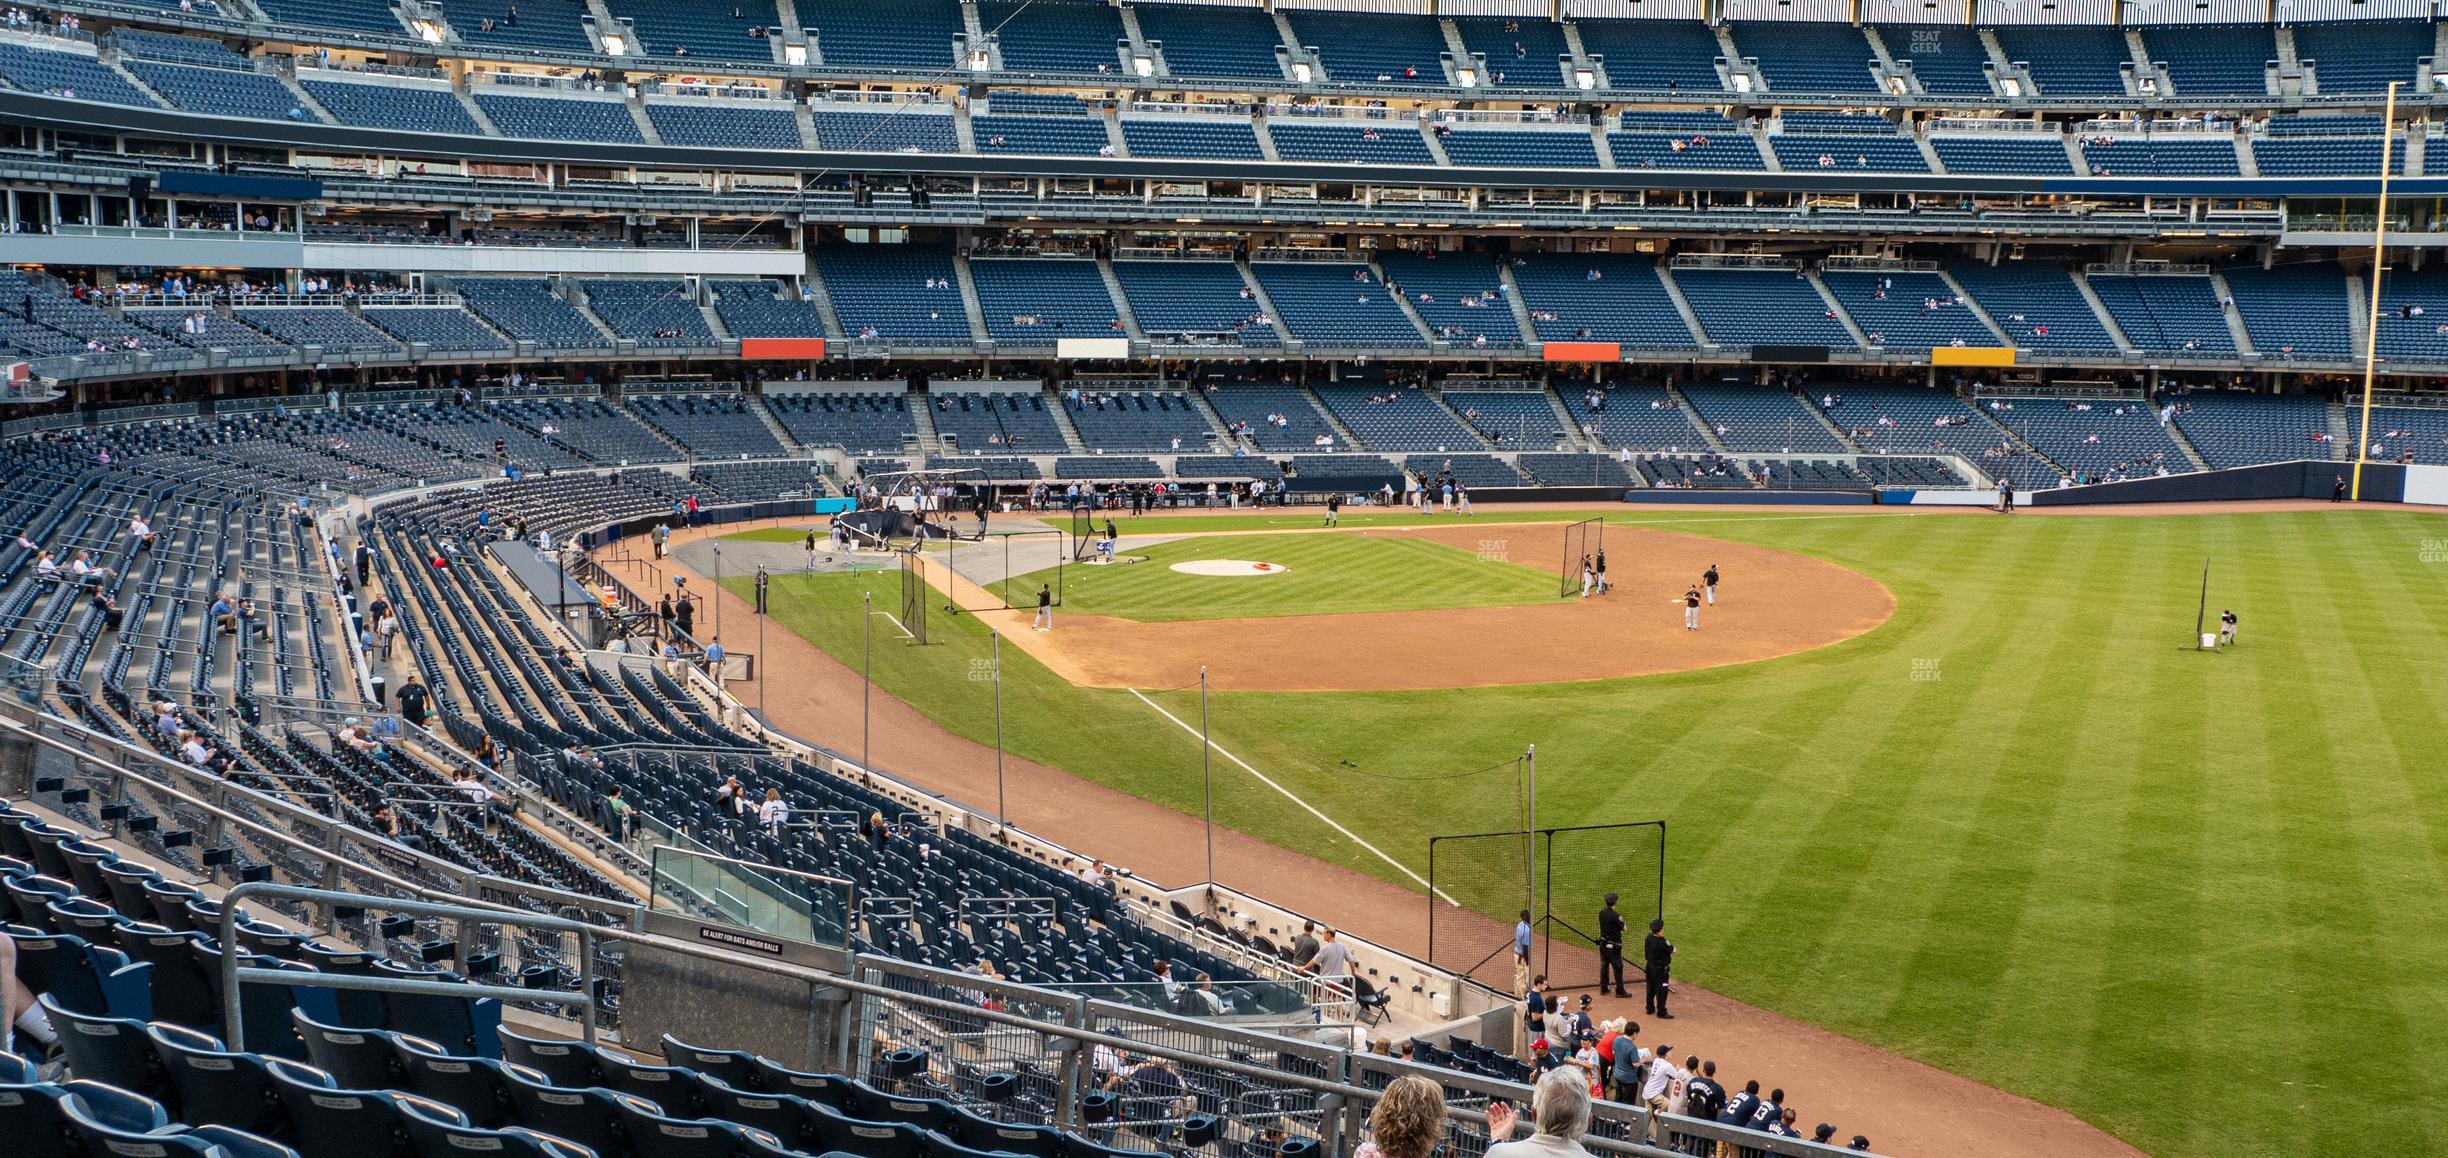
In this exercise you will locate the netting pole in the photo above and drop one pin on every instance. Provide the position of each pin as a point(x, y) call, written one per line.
point(1207, 775)
point(866, 681)
point(1530, 830)
point(1002, 814)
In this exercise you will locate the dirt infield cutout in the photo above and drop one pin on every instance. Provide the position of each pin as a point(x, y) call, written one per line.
point(1770, 603)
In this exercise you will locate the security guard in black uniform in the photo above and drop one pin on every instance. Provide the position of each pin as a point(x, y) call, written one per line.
point(1610, 949)
point(1657, 957)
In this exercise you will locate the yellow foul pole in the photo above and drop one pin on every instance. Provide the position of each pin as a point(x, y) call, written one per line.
point(2371, 332)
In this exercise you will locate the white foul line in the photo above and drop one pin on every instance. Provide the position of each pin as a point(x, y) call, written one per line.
point(906, 633)
point(1263, 778)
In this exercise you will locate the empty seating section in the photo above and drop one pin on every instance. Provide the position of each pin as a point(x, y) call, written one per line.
point(765, 126)
point(1055, 35)
point(1023, 102)
point(2214, 59)
point(2038, 305)
point(1633, 416)
point(709, 425)
point(74, 74)
point(361, 15)
point(2413, 313)
point(1195, 302)
point(1704, 472)
point(554, 25)
point(219, 91)
point(1760, 418)
point(439, 327)
point(1138, 420)
point(918, 38)
point(1460, 296)
point(1054, 136)
point(995, 467)
point(2161, 156)
point(706, 28)
point(2297, 310)
point(587, 426)
point(392, 106)
point(1847, 152)
point(995, 421)
point(895, 293)
point(1199, 40)
point(1218, 138)
point(2038, 153)
point(2422, 430)
point(2100, 438)
point(1744, 307)
point(1677, 55)
point(860, 423)
point(2363, 55)
point(1333, 304)
point(1107, 466)
point(1599, 298)
point(1899, 421)
point(2323, 156)
point(1469, 470)
point(555, 118)
point(2231, 430)
point(648, 311)
point(179, 49)
point(1948, 60)
point(1808, 57)
point(1033, 301)
point(1375, 143)
point(242, 341)
point(2166, 315)
point(764, 309)
point(1521, 52)
point(1560, 148)
point(529, 311)
point(1273, 416)
point(1906, 309)
point(1805, 474)
point(747, 481)
point(339, 333)
point(906, 131)
point(1386, 417)
point(1677, 140)
point(1574, 470)
point(1372, 48)
point(1508, 419)
point(2068, 61)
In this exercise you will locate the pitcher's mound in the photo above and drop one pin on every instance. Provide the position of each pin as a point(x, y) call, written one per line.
point(1228, 567)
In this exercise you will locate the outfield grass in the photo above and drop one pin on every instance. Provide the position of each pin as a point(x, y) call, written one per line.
point(1327, 574)
point(2021, 831)
point(776, 535)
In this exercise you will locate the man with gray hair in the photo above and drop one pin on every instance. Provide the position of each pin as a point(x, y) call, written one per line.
point(1560, 1112)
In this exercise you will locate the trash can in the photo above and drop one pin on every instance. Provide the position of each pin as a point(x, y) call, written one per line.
point(379, 700)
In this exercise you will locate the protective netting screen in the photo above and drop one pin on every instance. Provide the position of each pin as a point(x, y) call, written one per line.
point(1584, 543)
point(1481, 885)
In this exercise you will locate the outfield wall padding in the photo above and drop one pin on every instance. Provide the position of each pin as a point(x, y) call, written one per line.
point(2382, 483)
point(1701, 498)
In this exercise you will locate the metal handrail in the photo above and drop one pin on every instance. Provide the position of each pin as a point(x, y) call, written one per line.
point(233, 974)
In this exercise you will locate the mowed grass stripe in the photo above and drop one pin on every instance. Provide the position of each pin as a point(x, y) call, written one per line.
point(1326, 575)
point(2194, 898)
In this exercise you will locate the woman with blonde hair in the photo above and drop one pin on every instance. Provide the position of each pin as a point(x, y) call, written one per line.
point(1559, 1112)
point(1409, 1121)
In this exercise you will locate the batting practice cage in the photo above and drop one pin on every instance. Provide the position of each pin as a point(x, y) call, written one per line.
point(1582, 540)
point(1479, 884)
point(1004, 570)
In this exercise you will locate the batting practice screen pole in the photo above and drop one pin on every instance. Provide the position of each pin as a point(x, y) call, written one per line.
point(2201, 615)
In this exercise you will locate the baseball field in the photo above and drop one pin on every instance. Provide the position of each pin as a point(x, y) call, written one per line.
point(1959, 786)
